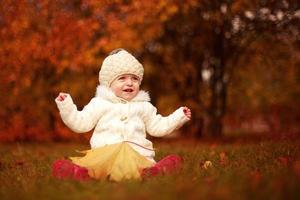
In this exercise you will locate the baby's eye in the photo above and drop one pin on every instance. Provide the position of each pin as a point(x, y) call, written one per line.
point(121, 78)
point(135, 78)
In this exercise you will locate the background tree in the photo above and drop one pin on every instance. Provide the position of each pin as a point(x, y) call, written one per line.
point(204, 54)
point(223, 31)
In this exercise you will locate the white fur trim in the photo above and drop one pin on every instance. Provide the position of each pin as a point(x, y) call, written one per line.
point(106, 93)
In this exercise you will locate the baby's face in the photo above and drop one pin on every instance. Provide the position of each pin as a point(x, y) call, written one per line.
point(126, 86)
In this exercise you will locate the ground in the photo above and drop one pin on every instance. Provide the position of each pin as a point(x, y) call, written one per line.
point(239, 169)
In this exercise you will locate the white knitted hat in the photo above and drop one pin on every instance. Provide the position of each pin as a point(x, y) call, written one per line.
point(117, 64)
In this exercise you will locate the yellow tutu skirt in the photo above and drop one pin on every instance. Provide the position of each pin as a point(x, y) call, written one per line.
point(115, 162)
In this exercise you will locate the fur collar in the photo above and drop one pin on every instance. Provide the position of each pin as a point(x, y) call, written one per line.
point(107, 94)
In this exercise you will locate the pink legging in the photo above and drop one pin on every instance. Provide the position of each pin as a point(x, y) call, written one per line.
point(65, 169)
point(167, 165)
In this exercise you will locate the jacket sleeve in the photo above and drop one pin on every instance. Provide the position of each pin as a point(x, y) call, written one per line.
point(158, 126)
point(79, 121)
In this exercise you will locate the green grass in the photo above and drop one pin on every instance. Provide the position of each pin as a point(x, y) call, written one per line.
point(241, 170)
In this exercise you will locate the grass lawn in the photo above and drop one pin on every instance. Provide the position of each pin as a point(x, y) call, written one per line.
point(264, 169)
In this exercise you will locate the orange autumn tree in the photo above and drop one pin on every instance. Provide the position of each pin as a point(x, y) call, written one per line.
point(47, 45)
point(40, 42)
point(51, 46)
point(201, 51)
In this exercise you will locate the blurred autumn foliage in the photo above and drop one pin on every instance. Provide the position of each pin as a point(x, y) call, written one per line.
point(235, 63)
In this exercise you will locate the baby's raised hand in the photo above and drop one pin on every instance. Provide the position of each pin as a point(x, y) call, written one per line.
point(62, 96)
point(187, 112)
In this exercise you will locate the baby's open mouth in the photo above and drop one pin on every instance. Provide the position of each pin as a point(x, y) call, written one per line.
point(128, 90)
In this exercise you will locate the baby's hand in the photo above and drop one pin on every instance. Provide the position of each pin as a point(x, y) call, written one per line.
point(187, 112)
point(62, 96)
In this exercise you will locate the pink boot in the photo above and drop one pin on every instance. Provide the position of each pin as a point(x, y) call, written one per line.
point(167, 165)
point(65, 169)
point(80, 173)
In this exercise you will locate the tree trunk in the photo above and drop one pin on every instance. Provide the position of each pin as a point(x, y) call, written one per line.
point(218, 88)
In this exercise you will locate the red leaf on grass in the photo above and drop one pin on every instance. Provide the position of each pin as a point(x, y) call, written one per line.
point(283, 160)
point(255, 177)
point(296, 168)
point(209, 180)
point(223, 158)
point(19, 162)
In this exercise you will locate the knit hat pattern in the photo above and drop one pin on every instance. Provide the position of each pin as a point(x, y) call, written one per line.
point(117, 64)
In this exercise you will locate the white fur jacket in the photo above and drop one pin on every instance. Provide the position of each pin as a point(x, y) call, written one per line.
point(116, 120)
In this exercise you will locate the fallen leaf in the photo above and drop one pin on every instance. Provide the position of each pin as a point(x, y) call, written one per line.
point(255, 177)
point(19, 162)
point(283, 160)
point(296, 168)
point(223, 158)
point(209, 180)
point(206, 164)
